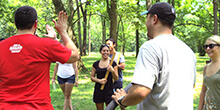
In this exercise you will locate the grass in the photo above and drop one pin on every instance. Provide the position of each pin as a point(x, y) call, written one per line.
point(83, 94)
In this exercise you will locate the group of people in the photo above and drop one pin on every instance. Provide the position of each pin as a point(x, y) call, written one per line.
point(163, 79)
point(115, 78)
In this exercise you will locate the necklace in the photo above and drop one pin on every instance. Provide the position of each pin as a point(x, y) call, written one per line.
point(103, 63)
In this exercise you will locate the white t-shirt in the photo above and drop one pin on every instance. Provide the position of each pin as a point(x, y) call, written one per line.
point(65, 70)
point(167, 66)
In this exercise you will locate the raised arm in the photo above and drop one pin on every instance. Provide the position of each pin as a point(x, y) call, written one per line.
point(61, 27)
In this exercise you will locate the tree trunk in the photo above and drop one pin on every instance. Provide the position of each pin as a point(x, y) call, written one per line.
point(173, 3)
point(84, 12)
point(89, 33)
point(103, 29)
point(113, 19)
point(148, 4)
point(215, 10)
point(219, 15)
point(137, 33)
point(123, 37)
point(58, 7)
point(137, 42)
point(118, 30)
point(79, 29)
point(200, 48)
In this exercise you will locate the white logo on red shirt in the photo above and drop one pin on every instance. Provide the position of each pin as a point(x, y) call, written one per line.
point(16, 48)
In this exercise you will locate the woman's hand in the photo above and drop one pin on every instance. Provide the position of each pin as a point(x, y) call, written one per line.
point(110, 69)
point(103, 81)
point(76, 83)
point(53, 81)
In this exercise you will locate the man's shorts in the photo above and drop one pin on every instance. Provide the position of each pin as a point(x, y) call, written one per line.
point(70, 79)
point(101, 96)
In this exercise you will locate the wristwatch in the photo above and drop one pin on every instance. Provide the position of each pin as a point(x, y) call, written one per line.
point(120, 100)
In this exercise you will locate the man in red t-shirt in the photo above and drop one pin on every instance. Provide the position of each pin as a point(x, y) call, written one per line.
point(25, 62)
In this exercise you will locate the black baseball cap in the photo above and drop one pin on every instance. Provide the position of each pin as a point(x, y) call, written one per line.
point(163, 10)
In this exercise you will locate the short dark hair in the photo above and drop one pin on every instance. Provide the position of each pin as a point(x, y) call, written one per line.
point(164, 22)
point(111, 40)
point(25, 17)
point(102, 46)
point(2, 39)
point(165, 12)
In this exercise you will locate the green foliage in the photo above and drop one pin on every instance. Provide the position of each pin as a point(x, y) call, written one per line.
point(43, 7)
point(194, 22)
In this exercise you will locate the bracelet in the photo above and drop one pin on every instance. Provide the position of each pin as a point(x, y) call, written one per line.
point(53, 78)
point(120, 100)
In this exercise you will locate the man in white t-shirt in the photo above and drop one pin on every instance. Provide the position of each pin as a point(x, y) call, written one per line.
point(165, 70)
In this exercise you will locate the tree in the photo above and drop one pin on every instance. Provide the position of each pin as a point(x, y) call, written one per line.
point(58, 7)
point(215, 10)
point(84, 13)
point(119, 18)
point(193, 24)
point(137, 33)
point(89, 33)
point(113, 18)
point(103, 20)
point(79, 28)
point(8, 7)
point(219, 15)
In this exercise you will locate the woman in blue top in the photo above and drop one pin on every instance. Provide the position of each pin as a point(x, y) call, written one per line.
point(99, 70)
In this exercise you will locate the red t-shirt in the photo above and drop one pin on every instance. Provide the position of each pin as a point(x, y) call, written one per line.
point(24, 71)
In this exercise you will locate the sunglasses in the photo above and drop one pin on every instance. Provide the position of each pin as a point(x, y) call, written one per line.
point(211, 46)
point(103, 45)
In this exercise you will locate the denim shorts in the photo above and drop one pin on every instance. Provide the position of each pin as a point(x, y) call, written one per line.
point(70, 79)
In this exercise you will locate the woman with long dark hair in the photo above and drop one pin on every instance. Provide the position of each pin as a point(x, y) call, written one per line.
point(99, 70)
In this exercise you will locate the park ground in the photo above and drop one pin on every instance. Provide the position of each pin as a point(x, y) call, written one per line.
point(83, 94)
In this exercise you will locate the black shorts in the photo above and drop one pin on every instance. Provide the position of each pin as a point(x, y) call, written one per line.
point(100, 96)
point(70, 79)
